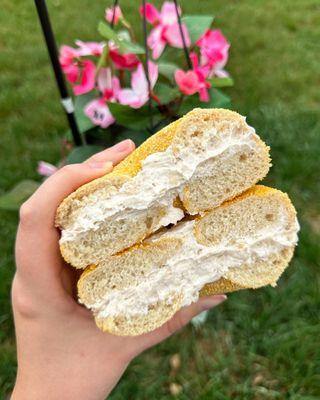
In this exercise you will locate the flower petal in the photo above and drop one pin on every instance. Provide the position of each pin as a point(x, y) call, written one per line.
point(204, 94)
point(152, 14)
point(172, 35)
point(168, 14)
point(109, 14)
point(89, 48)
point(123, 61)
point(214, 48)
point(67, 55)
point(72, 73)
point(104, 79)
point(139, 82)
point(188, 82)
point(87, 82)
point(153, 73)
point(156, 42)
point(130, 98)
point(99, 113)
point(46, 169)
point(221, 73)
point(115, 87)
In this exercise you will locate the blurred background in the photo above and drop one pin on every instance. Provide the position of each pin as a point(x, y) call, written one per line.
point(262, 345)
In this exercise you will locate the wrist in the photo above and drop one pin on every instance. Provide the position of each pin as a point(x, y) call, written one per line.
point(59, 384)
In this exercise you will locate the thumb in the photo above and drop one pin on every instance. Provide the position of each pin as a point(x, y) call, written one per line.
point(181, 318)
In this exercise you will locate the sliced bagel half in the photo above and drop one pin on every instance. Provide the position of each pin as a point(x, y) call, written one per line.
point(190, 166)
point(245, 243)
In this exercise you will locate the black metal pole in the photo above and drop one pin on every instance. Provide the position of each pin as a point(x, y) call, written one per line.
point(115, 3)
point(52, 50)
point(185, 48)
point(146, 65)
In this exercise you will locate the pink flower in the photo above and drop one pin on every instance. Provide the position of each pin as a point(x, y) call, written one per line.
point(202, 73)
point(67, 56)
point(109, 14)
point(85, 77)
point(166, 28)
point(214, 49)
point(81, 74)
point(46, 169)
point(138, 95)
point(89, 48)
point(188, 82)
point(108, 85)
point(72, 72)
point(99, 113)
point(123, 61)
point(152, 14)
point(194, 80)
point(97, 110)
point(156, 42)
point(68, 62)
point(172, 35)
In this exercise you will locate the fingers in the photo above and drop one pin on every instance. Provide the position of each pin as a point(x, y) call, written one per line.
point(180, 319)
point(37, 238)
point(40, 209)
point(115, 154)
point(37, 251)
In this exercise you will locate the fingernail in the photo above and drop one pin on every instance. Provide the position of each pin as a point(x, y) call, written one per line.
point(105, 165)
point(123, 146)
point(209, 302)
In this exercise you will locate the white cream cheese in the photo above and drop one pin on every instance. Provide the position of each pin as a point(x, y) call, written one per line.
point(159, 181)
point(192, 267)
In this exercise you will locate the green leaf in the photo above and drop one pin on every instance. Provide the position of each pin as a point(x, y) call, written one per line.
point(124, 34)
point(166, 93)
point(124, 46)
point(84, 123)
point(221, 82)
point(136, 119)
point(103, 58)
point(12, 200)
point(217, 100)
point(131, 47)
point(197, 25)
point(107, 32)
point(81, 153)
point(174, 55)
point(167, 69)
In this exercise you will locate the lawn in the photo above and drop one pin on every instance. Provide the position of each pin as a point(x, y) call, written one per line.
point(262, 345)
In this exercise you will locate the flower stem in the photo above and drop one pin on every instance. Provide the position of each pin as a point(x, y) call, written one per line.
point(127, 25)
point(104, 59)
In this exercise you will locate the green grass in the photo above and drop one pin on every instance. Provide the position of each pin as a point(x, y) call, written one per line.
point(262, 345)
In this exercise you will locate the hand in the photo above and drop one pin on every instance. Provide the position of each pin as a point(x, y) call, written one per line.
point(61, 353)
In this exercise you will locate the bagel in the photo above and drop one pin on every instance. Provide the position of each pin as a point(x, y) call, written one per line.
point(247, 242)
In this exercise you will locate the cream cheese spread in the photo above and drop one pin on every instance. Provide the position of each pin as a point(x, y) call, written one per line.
point(192, 267)
point(160, 180)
